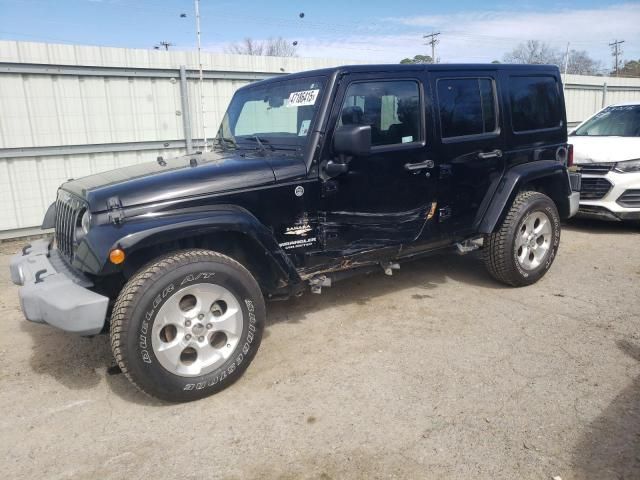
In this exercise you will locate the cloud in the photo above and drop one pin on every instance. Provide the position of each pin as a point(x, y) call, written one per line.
point(485, 36)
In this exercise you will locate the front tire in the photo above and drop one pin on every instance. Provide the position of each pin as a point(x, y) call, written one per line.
point(522, 250)
point(187, 325)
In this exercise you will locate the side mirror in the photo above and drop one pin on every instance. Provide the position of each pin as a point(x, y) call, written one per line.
point(354, 140)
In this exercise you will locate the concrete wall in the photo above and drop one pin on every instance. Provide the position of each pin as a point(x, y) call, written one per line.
point(67, 111)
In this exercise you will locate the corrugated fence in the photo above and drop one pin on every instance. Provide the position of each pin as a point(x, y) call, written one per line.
point(67, 111)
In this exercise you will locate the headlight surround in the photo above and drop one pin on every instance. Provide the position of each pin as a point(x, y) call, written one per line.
point(85, 225)
point(628, 166)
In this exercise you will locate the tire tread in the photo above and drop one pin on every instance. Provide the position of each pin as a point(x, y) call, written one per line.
point(120, 314)
point(495, 251)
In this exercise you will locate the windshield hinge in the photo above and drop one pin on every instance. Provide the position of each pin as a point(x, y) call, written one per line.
point(116, 215)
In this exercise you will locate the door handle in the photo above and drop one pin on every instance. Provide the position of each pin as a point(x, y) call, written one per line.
point(412, 167)
point(492, 154)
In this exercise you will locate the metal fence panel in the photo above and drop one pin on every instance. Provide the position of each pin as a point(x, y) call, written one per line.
point(67, 111)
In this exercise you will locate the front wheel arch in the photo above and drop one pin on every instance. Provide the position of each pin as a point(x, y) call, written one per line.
point(244, 249)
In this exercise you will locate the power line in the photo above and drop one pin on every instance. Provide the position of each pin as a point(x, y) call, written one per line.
point(433, 42)
point(617, 52)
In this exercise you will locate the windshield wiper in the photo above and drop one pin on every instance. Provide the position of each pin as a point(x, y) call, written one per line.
point(224, 141)
point(260, 142)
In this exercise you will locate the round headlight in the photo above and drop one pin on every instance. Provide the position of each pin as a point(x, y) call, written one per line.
point(85, 223)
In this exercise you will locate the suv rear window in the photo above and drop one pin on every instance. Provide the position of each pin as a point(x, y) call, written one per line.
point(467, 106)
point(535, 103)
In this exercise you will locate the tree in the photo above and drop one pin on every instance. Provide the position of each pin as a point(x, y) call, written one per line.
point(538, 53)
point(418, 59)
point(272, 47)
point(631, 68)
point(534, 52)
point(580, 63)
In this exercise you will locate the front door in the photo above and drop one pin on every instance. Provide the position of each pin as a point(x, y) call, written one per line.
point(386, 197)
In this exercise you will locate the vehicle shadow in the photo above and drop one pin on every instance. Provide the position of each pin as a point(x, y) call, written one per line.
point(79, 363)
point(610, 447)
point(82, 363)
point(595, 226)
point(426, 274)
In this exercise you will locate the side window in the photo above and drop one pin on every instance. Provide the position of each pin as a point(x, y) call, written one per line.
point(391, 108)
point(535, 103)
point(467, 106)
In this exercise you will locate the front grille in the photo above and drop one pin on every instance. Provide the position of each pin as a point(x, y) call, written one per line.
point(630, 198)
point(68, 209)
point(595, 168)
point(594, 188)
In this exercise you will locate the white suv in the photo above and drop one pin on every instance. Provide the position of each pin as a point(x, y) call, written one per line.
point(606, 147)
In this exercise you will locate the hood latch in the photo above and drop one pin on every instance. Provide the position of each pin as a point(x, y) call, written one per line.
point(116, 215)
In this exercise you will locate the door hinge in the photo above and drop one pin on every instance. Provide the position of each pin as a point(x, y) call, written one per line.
point(445, 171)
point(116, 215)
point(329, 188)
point(444, 213)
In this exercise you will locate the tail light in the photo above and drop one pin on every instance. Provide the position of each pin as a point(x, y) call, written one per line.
point(570, 156)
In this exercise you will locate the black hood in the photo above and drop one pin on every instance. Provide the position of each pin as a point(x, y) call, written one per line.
point(180, 177)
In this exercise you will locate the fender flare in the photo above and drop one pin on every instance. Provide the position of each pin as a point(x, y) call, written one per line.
point(511, 183)
point(137, 233)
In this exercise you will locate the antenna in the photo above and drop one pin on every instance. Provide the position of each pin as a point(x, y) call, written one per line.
point(204, 127)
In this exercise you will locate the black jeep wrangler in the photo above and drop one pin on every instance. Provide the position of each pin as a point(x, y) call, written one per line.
point(313, 177)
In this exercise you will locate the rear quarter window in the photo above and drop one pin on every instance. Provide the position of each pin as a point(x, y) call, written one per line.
point(535, 103)
point(466, 107)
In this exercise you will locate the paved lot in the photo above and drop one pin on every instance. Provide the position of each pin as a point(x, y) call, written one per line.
point(437, 372)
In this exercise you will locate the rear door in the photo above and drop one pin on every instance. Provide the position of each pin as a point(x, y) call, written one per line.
point(470, 142)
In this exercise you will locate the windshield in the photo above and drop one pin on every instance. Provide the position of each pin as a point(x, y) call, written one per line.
point(621, 121)
point(276, 114)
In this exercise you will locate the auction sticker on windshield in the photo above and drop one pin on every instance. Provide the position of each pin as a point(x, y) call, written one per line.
point(301, 99)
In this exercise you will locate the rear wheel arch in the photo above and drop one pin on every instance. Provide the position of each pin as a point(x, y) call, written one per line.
point(554, 187)
point(546, 176)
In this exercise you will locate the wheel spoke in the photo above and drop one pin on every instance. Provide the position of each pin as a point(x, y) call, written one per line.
point(211, 357)
point(523, 257)
point(544, 227)
point(171, 351)
point(230, 322)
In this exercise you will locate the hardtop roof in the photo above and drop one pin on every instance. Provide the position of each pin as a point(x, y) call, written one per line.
point(390, 68)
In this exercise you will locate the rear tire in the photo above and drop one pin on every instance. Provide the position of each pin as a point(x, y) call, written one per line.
point(187, 325)
point(522, 250)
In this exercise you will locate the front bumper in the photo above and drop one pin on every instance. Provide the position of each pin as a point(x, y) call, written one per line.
point(55, 294)
point(574, 198)
point(608, 207)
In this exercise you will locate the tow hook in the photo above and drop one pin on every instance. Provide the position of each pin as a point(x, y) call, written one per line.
point(316, 283)
point(389, 267)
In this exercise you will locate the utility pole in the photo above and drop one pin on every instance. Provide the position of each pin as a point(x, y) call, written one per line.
point(201, 77)
point(433, 42)
point(617, 52)
point(566, 62)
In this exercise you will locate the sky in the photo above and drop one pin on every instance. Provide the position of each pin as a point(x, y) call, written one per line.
point(373, 30)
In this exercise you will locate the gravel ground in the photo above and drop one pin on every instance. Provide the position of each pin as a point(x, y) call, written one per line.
point(436, 372)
